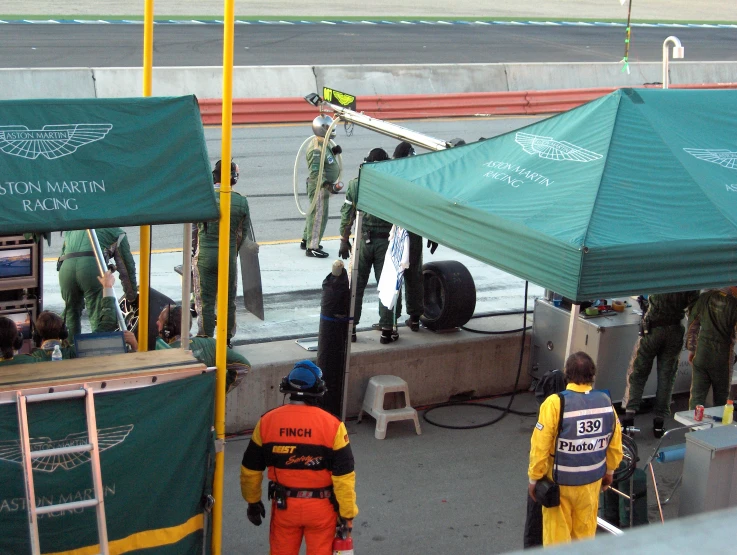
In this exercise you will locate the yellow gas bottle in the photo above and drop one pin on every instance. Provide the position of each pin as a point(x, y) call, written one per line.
point(728, 414)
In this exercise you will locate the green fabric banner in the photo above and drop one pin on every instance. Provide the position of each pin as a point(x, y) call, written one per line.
point(635, 192)
point(84, 163)
point(156, 444)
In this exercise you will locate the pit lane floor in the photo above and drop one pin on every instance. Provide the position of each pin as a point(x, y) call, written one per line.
point(445, 491)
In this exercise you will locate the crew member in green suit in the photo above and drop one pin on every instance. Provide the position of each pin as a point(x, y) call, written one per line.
point(11, 342)
point(51, 330)
point(413, 279)
point(710, 340)
point(169, 325)
point(317, 213)
point(661, 338)
point(78, 275)
point(206, 258)
point(374, 244)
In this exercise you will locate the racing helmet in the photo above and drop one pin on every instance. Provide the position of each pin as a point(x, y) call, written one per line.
point(305, 380)
point(234, 173)
point(376, 155)
point(404, 149)
point(321, 124)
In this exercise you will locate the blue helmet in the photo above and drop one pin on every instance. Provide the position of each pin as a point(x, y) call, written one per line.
point(305, 379)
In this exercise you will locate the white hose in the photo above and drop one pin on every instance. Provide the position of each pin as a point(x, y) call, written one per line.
point(338, 157)
point(294, 175)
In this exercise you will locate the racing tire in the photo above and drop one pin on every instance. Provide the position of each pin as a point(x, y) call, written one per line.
point(449, 295)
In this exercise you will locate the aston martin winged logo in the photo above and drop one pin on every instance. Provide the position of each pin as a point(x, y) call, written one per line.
point(107, 438)
point(723, 157)
point(52, 141)
point(547, 147)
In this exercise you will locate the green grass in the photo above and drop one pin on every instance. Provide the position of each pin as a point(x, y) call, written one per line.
point(347, 18)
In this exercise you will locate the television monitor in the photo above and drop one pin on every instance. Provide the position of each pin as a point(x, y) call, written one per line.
point(18, 263)
point(21, 312)
point(99, 344)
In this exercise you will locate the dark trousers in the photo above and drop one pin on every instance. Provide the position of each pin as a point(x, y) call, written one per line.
point(533, 524)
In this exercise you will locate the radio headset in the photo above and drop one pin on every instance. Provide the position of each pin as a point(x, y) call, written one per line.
point(36, 336)
point(168, 329)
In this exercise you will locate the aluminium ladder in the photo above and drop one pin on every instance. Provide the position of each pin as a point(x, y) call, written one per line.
point(28, 456)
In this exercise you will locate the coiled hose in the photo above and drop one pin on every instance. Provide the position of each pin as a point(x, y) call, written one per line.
point(338, 157)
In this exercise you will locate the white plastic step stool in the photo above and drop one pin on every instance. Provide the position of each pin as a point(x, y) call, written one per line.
point(373, 404)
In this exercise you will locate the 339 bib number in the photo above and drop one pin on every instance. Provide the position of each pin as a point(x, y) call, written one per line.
point(589, 426)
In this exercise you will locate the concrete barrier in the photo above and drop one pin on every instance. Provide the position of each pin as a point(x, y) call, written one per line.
point(532, 77)
point(436, 367)
point(17, 84)
point(412, 79)
point(367, 80)
point(207, 82)
point(695, 72)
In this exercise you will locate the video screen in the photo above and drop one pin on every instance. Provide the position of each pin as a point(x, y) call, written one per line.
point(22, 322)
point(16, 263)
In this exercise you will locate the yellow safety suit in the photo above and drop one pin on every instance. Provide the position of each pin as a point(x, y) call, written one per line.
point(575, 517)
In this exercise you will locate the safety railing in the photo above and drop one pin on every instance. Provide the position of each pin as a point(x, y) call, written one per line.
point(419, 106)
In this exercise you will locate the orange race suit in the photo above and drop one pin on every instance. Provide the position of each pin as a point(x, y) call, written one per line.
point(307, 452)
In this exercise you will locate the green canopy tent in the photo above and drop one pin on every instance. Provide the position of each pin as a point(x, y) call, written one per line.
point(634, 192)
point(86, 163)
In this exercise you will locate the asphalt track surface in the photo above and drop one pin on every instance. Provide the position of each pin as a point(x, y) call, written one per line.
point(36, 46)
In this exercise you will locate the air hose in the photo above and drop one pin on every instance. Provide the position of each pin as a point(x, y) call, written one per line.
point(505, 410)
point(322, 163)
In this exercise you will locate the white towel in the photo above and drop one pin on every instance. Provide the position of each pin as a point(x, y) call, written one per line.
point(395, 262)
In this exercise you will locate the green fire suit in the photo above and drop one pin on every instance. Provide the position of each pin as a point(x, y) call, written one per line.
point(206, 265)
point(18, 359)
point(711, 329)
point(317, 213)
point(374, 244)
point(203, 349)
point(662, 338)
point(79, 283)
point(413, 280)
point(44, 352)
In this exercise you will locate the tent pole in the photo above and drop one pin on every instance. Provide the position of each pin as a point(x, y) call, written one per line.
point(186, 284)
point(575, 311)
point(223, 271)
point(145, 230)
point(351, 314)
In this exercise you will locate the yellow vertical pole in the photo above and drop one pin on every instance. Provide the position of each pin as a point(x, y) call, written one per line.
point(223, 250)
point(145, 232)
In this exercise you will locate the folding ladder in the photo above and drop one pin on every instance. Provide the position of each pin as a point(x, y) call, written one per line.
point(28, 456)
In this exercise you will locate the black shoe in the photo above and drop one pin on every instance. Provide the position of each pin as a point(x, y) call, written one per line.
point(353, 336)
point(413, 324)
point(658, 427)
point(316, 253)
point(388, 336)
point(303, 245)
point(627, 420)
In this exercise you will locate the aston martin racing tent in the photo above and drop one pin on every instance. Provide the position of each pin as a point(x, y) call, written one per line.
point(634, 192)
point(96, 162)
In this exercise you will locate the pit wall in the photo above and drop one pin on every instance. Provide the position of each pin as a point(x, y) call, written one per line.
point(436, 367)
point(365, 80)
